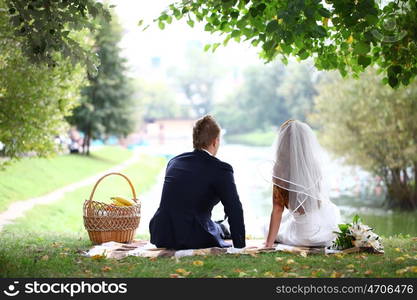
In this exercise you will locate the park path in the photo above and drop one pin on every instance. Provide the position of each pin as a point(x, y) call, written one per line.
point(150, 203)
point(19, 208)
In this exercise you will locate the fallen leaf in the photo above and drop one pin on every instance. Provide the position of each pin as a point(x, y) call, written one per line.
point(106, 268)
point(303, 253)
point(45, 257)
point(363, 256)
point(399, 259)
point(305, 267)
point(290, 261)
point(183, 272)
point(397, 249)
point(336, 274)
point(152, 258)
point(350, 266)
point(175, 276)
point(286, 268)
point(407, 269)
point(317, 272)
point(242, 274)
point(368, 272)
point(401, 271)
point(279, 259)
point(269, 274)
point(97, 257)
point(198, 263)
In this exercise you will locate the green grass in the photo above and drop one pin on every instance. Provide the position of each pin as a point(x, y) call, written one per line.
point(32, 177)
point(255, 138)
point(58, 255)
point(48, 242)
point(65, 215)
point(48, 238)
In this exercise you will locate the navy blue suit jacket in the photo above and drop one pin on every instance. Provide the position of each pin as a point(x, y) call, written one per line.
point(194, 183)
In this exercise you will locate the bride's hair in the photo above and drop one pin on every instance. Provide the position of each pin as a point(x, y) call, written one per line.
point(297, 174)
point(280, 194)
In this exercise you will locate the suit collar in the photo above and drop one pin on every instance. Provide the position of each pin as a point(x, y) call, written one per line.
point(204, 152)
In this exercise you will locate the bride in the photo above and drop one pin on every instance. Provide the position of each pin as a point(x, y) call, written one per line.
point(299, 186)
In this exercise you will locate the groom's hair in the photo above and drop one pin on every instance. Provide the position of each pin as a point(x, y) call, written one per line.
point(205, 131)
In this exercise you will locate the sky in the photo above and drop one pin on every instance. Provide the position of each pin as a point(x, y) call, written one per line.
point(139, 47)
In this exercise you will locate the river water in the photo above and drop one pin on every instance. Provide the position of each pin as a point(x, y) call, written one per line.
point(352, 189)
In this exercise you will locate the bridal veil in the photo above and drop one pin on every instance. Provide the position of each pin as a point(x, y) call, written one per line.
point(298, 168)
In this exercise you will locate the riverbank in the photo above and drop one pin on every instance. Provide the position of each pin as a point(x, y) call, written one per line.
point(254, 138)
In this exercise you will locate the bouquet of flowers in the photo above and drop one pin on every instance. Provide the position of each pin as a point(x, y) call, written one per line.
point(357, 235)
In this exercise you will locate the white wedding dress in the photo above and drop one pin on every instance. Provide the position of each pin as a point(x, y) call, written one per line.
point(311, 218)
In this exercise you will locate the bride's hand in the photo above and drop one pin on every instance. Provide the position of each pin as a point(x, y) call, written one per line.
point(268, 245)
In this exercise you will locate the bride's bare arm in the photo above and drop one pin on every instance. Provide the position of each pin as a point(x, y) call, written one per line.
point(274, 223)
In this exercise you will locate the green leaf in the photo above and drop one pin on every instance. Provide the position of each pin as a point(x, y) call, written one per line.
point(361, 48)
point(364, 61)
point(261, 7)
point(177, 13)
point(215, 46)
point(208, 27)
point(268, 45)
point(371, 19)
point(190, 23)
point(394, 70)
point(161, 25)
point(303, 54)
point(356, 219)
point(235, 33)
point(393, 81)
point(228, 3)
point(287, 49)
point(207, 47)
point(324, 12)
point(272, 26)
point(234, 14)
point(343, 227)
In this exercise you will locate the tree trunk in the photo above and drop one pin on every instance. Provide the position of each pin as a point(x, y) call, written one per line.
point(88, 142)
point(84, 143)
point(399, 194)
point(414, 192)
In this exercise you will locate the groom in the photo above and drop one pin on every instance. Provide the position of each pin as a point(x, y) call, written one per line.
point(194, 183)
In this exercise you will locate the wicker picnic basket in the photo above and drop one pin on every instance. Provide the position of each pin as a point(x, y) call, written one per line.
point(105, 222)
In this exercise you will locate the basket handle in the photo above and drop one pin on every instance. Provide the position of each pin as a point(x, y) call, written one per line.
point(114, 173)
